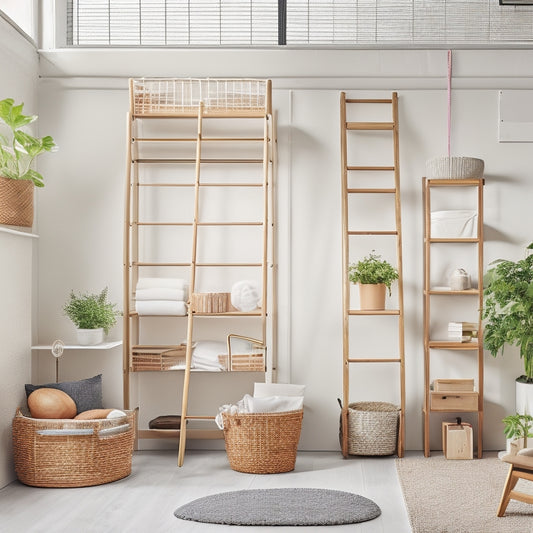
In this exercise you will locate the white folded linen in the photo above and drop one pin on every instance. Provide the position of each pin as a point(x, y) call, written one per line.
point(277, 389)
point(160, 307)
point(160, 293)
point(273, 404)
point(245, 295)
point(167, 283)
point(205, 355)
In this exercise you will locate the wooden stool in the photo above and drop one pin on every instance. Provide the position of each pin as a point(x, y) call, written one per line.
point(521, 468)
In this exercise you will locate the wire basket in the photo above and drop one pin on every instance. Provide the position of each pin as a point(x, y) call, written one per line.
point(72, 453)
point(372, 428)
point(262, 443)
point(182, 96)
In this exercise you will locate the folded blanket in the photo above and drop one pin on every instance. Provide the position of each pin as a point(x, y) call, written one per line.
point(160, 293)
point(245, 295)
point(277, 389)
point(167, 283)
point(160, 307)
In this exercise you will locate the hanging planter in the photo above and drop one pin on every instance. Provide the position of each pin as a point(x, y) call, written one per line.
point(16, 202)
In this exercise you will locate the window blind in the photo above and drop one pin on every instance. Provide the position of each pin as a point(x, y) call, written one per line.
point(296, 22)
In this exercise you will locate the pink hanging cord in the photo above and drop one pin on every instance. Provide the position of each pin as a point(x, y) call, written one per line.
point(449, 100)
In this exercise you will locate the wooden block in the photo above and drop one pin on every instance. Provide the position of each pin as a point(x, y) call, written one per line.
point(457, 441)
point(440, 385)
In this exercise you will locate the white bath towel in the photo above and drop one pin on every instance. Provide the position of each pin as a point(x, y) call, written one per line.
point(205, 355)
point(160, 307)
point(245, 295)
point(272, 404)
point(277, 389)
point(167, 283)
point(160, 293)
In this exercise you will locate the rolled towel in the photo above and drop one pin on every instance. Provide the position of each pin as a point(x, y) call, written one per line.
point(161, 307)
point(272, 404)
point(167, 283)
point(277, 389)
point(245, 295)
point(160, 293)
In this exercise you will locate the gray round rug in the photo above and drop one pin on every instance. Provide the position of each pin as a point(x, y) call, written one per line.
point(280, 507)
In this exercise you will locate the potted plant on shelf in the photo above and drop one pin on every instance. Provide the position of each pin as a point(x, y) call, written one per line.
point(508, 312)
point(92, 315)
point(374, 277)
point(18, 150)
point(518, 428)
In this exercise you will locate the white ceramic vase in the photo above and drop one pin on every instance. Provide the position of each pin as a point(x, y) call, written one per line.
point(524, 398)
point(89, 337)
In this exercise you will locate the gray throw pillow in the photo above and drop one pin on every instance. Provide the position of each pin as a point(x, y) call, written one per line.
point(86, 393)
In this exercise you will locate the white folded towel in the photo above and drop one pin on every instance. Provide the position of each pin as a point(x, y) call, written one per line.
point(272, 404)
point(245, 295)
point(277, 389)
point(167, 283)
point(161, 307)
point(205, 355)
point(160, 293)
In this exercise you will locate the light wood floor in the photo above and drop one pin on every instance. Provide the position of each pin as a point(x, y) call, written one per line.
point(145, 501)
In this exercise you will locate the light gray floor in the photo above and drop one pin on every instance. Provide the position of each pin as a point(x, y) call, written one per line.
point(145, 501)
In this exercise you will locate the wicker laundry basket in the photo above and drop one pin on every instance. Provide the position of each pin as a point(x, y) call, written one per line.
point(372, 428)
point(72, 453)
point(262, 443)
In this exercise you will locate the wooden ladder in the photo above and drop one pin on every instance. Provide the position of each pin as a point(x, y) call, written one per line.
point(347, 170)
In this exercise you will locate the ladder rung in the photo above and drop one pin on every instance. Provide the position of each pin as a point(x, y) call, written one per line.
point(368, 101)
point(198, 223)
point(392, 232)
point(193, 160)
point(372, 191)
point(229, 264)
point(151, 264)
point(370, 312)
point(199, 417)
point(369, 168)
point(201, 184)
point(369, 125)
point(375, 360)
point(457, 240)
point(194, 139)
point(467, 182)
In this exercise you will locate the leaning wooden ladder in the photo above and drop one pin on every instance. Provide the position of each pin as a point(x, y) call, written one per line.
point(348, 170)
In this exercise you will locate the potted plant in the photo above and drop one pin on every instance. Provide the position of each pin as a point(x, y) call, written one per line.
point(508, 312)
point(374, 277)
point(518, 428)
point(92, 314)
point(18, 150)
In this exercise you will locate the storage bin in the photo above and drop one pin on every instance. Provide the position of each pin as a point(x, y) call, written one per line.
point(454, 168)
point(440, 385)
point(454, 401)
point(72, 453)
point(211, 302)
point(457, 442)
point(454, 224)
point(372, 428)
point(262, 443)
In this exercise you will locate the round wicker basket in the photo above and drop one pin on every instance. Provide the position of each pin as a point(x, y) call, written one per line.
point(454, 168)
point(372, 428)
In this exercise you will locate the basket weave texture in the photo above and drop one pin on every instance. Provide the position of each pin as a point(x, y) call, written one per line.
point(72, 460)
point(16, 202)
point(372, 428)
point(455, 168)
point(262, 443)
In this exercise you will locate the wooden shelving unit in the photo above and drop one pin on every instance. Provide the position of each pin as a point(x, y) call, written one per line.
point(469, 402)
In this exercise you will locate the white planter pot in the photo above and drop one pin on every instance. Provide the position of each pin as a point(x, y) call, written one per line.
point(88, 337)
point(524, 398)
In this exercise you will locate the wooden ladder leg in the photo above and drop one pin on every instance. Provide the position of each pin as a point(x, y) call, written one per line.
point(510, 484)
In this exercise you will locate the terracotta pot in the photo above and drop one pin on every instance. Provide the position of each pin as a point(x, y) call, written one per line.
point(372, 296)
point(16, 202)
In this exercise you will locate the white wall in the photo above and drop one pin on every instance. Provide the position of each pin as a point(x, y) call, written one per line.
point(19, 58)
point(84, 101)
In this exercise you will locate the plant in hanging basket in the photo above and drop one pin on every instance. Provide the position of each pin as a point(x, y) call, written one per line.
point(18, 150)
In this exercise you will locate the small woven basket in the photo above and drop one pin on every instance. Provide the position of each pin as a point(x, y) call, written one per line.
point(72, 453)
point(262, 443)
point(16, 202)
point(372, 428)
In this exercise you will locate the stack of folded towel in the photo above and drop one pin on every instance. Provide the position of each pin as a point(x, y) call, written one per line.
point(205, 354)
point(161, 296)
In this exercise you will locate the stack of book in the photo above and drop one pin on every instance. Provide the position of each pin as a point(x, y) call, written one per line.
point(462, 331)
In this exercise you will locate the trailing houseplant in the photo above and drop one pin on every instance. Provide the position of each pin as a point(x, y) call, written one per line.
point(18, 150)
point(372, 274)
point(91, 312)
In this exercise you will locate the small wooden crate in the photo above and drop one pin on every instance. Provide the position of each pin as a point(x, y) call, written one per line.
point(465, 385)
point(454, 401)
point(157, 360)
point(457, 442)
point(211, 302)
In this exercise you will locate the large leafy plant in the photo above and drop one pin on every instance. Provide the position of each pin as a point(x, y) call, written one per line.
point(372, 270)
point(91, 311)
point(18, 149)
point(508, 309)
point(518, 426)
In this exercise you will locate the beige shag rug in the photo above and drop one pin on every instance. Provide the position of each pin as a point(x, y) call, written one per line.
point(447, 496)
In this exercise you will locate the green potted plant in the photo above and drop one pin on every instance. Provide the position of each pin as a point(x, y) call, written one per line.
point(518, 428)
point(375, 277)
point(92, 315)
point(18, 150)
point(508, 315)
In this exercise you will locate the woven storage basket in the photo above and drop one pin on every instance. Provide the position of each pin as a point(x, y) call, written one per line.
point(372, 428)
point(455, 168)
point(72, 453)
point(262, 443)
point(16, 202)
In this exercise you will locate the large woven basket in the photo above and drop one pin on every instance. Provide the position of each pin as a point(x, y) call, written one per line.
point(16, 202)
point(72, 453)
point(262, 443)
point(372, 428)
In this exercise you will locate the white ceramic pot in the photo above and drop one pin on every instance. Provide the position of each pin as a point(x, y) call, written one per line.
point(88, 337)
point(524, 398)
point(372, 296)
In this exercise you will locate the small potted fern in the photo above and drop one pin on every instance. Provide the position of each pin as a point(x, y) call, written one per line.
point(375, 277)
point(92, 315)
